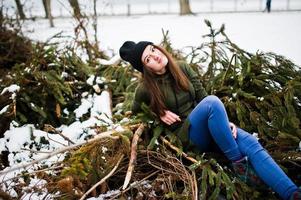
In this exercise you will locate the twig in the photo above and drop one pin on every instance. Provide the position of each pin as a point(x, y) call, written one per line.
point(195, 185)
point(174, 168)
point(97, 137)
point(34, 172)
point(294, 163)
point(178, 150)
point(133, 158)
point(55, 140)
point(103, 179)
point(48, 127)
point(33, 151)
point(163, 163)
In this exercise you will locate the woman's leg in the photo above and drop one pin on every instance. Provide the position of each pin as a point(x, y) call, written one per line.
point(209, 124)
point(264, 165)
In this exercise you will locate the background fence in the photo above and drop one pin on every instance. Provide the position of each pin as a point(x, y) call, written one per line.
point(34, 8)
point(198, 6)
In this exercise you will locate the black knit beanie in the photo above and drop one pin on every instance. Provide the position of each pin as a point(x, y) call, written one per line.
point(132, 52)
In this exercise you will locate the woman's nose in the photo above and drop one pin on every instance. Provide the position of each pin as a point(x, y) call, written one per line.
point(155, 56)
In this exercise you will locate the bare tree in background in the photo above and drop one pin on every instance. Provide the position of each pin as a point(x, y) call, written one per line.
point(185, 7)
point(20, 9)
point(95, 20)
point(1, 15)
point(48, 15)
point(76, 9)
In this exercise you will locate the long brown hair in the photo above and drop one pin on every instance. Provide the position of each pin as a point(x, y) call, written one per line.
point(157, 98)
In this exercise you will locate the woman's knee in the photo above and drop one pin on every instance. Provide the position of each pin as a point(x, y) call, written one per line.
point(212, 99)
point(214, 102)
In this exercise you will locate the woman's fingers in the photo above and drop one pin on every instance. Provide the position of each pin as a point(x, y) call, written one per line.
point(166, 120)
point(170, 120)
point(170, 117)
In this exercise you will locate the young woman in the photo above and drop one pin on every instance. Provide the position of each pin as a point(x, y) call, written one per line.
point(174, 92)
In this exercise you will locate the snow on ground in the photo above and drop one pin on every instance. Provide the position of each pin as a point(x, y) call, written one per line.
point(26, 143)
point(277, 32)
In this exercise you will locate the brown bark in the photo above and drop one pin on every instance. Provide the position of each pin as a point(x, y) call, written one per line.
point(133, 157)
point(20, 9)
point(185, 7)
point(47, 8)
point(76, 9)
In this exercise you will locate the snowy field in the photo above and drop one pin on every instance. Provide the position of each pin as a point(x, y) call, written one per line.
point(278, 32)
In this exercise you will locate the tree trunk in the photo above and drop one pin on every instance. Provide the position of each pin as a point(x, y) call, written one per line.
point(47, 7)
point(185, 7)
point(20, 9)
point(1, 17)
point(95, 21)
point(76, 9)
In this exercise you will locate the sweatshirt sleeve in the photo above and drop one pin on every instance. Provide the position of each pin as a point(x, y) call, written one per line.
point(141, 96)
point(200, 91)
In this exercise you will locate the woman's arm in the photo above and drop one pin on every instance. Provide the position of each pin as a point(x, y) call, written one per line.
point(141, 96)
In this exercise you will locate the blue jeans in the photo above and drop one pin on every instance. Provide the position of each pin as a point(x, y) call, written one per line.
point(210, 127)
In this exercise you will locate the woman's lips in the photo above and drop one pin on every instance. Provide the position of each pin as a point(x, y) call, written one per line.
point(159, 60)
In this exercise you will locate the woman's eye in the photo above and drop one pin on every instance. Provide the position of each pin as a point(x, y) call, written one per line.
point(153, 49)
point(147, 60)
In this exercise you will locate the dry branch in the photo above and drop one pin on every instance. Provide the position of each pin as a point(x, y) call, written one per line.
point(195, 186)
point(33, 172)
point(177, 150)
point(133, 156)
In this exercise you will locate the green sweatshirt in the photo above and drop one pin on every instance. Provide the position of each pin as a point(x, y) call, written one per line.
point(179, 102)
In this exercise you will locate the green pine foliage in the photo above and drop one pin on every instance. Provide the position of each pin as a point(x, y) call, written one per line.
point(261, 91)
point(122, 81)
point(92, 162)
point(51, 81)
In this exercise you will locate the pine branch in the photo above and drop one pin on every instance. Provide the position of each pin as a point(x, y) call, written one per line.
point(103, 179)
point(176, 149)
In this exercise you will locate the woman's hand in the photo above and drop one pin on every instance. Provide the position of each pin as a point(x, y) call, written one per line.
point(170, 117)
point(233, 129)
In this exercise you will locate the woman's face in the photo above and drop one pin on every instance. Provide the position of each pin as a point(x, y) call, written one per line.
point(154, 59)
